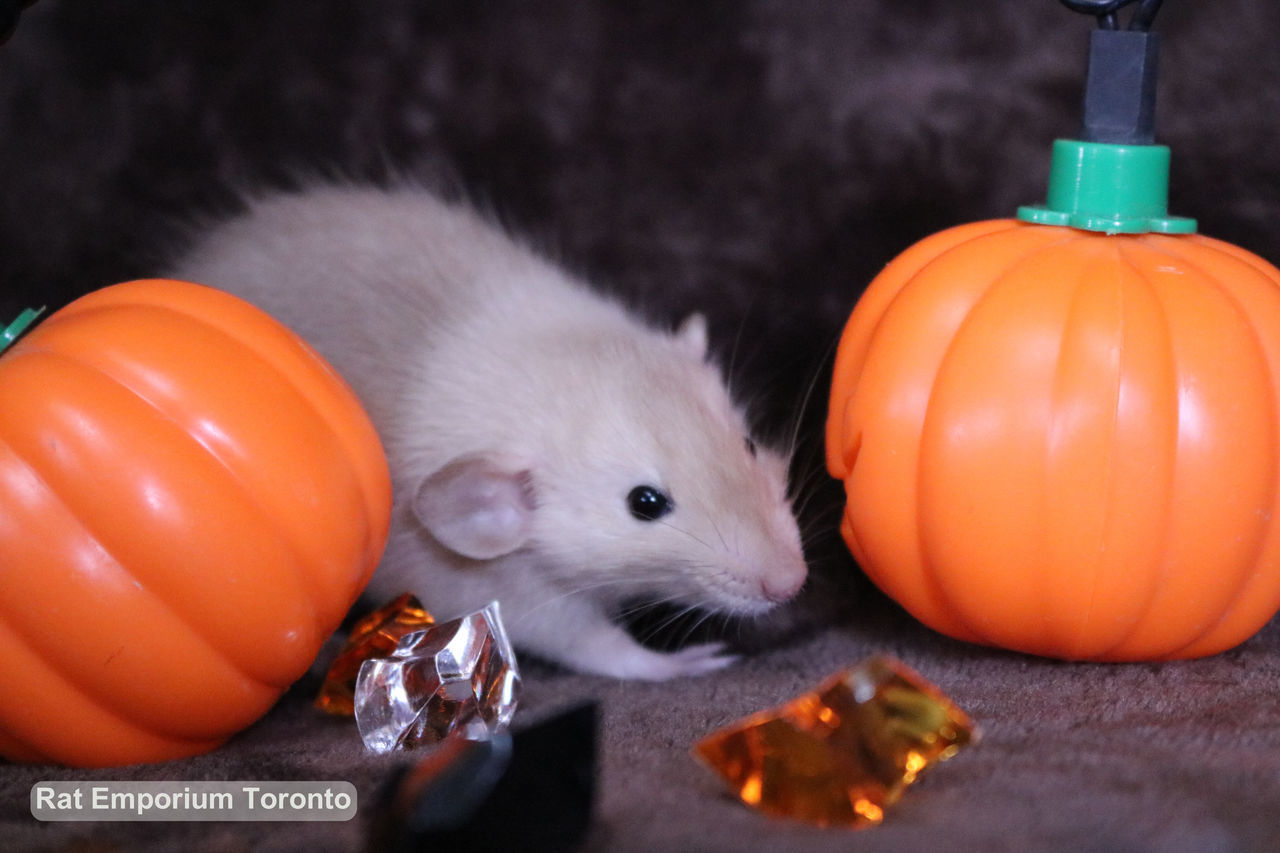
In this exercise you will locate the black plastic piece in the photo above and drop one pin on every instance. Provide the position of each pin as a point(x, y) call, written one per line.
point(1120, 88)
point(1107, 12)
point(9, 12)
point(531, 792)
point(1145, 17)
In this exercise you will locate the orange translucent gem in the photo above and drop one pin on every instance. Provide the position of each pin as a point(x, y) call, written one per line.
point(374, 636)
point(842, 754)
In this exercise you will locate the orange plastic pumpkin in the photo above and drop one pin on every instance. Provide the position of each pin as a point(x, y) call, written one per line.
point(1065, 442)
point(190, 500)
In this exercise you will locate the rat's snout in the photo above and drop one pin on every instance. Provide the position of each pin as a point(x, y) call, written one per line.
point(783, 582)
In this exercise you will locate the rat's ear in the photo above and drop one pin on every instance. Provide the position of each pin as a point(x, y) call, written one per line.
point(480, 505)
point(692, 334)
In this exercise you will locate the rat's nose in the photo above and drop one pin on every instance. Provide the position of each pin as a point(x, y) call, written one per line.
point(782, 585)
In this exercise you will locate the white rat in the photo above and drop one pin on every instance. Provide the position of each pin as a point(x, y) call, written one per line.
point(547, 449)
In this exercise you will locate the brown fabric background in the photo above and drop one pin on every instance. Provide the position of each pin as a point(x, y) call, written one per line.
point(759, 160)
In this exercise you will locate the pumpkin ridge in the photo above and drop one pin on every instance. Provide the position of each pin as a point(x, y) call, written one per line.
point(1254, 262)
point(887, 309)
point(180, 624)
point(928, 565)
point(1166, 248)
point(297, 563)
point(1112, 433)
point(836, 427)
point(317, 416)
point(56, 666)
point(115, 714)
point(1142, 614)
point(370, 501)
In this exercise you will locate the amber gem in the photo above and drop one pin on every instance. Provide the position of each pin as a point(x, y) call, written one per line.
point(843, 753)
point(374, 636)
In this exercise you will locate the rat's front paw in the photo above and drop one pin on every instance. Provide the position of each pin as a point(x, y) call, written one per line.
point(691, 660)
point(583, 638)
point(636, 662)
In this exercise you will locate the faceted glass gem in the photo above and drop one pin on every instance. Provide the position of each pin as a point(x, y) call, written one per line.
point(843, 753)
point(457, 677)
point(374, 636)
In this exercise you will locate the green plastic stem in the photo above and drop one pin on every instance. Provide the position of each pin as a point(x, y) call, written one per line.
point(11, 332)
point(1115, 189)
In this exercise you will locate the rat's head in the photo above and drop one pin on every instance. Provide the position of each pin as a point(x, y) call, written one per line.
point(649, 485)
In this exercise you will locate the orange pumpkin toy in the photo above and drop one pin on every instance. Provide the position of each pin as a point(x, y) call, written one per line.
point(1064, 439)
point(190, 501)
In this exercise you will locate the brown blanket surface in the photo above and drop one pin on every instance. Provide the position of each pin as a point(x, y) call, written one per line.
point(1092, 757)
point(758, 160)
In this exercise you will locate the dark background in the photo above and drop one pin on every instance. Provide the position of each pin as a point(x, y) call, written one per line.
point(759, 160)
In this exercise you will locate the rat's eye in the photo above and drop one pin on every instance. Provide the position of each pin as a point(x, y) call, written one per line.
point(751, 445)
point(648, 503)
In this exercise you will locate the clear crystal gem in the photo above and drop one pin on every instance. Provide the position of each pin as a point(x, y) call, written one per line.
point(453, 678)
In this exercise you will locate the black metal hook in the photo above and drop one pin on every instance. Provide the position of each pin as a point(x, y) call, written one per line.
point(1107, 12)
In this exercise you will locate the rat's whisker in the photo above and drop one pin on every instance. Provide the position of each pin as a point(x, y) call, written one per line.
point(733, 350)
point(815, 378)
point(703, 618)
point(582, 589)
point(686, 533)
point(719, 533)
